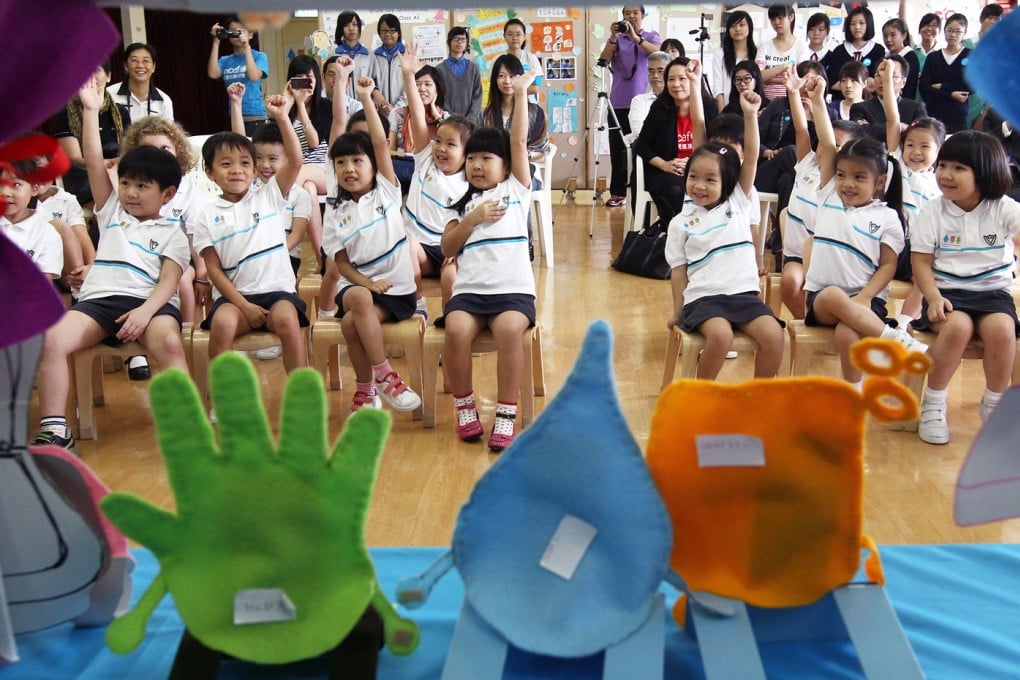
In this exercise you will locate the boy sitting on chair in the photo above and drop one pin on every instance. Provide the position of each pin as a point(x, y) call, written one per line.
point(242, 239)
point(130, 292)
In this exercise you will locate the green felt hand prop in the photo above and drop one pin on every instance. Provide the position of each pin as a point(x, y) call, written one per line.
point(281, 525)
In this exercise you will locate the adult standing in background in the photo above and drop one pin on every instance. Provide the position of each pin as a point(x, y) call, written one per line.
point(943, 87)
point(776, 55)
point(896, 36)
point(860, 45)
point(137, 91)
point(348, 44)
point(737, 45)
point(389, 79)
point(929, 28)
point(817, 36)
point(462, 81)
point(515, 35)
point(244, 65)
point(627, 52)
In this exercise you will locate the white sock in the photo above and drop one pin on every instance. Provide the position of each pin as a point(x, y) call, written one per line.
point(889, 333)
point(990, 398)
point(419, 304)
point(935, 396)
point(904, 321)
point(859, 385)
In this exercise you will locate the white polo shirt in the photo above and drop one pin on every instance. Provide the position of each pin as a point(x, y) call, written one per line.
point(973, 250)
point(62, 206)
point(803, 205)
point(158, 103)
point(429, 199)
point(371, 232)
point(494, 259)
point(250, 240)
point(39, 240)
point(130, 254)
point(848, 242)
point(187, 205)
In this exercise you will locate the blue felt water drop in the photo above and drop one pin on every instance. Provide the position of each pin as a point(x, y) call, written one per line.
point(578, 458)
point(992, 68)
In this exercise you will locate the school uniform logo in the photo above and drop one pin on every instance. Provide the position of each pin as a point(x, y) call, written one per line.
point(30, 253)
point(153, 245)
point(952, 239)
point(381, 210)
point(58, 215)
point(255, 216)
point(177, 212)
point(989, 239)
point(873, 227)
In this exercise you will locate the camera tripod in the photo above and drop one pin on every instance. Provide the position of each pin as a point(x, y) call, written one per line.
point(599, 119)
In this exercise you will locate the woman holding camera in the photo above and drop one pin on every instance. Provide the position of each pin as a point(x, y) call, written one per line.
point(245, 65)
point(627, 52)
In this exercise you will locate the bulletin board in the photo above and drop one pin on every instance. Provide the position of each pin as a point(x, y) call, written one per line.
point(423, 27)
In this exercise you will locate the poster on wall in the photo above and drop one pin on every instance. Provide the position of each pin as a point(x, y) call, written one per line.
point(562, 109)
point(552, 36)
point(430, 40)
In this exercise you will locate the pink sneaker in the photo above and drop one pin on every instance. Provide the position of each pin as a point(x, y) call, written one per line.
point(469, 427)
point(502, 432)
point(362, 400)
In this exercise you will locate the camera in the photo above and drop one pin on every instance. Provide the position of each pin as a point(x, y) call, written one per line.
point(622, 27)
point(225, 33)
point(301, 83)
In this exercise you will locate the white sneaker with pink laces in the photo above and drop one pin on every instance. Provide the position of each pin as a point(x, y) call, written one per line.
point(395, 392)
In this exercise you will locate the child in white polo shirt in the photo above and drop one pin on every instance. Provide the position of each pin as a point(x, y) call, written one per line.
point(242, 239)
point(130, 292)
point(27, 228)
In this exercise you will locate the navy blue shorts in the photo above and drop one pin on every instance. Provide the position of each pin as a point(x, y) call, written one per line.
point(877, 306)
point(399, 307)
point(435, 255)
point(490, 305)
point(106, 310)
point(738, 309)
point(975, 304)
point(266, 301)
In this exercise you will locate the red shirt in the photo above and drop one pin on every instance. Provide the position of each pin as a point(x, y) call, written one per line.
point(684, 136)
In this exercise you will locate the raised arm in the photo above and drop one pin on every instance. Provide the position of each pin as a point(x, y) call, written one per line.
point(91, 96)
point(519, 164)
point(749, 103)
point(252, 69)
point(346, 65)
point(278, 107)
point(823, 128)
point(301, 98)
point(383, 162)
point(800, 126)
point(892, 111)
point(410, 65)
point(235, 93)
point(213, 69)
point(700, 133)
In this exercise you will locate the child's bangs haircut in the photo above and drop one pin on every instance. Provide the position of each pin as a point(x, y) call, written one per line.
point(727, 128)
point(729, 164)
point(225, 140)
point(489, 140)
point(268, 133)
point(464, 126)
point(933, 125)
point(356, 143)
point(149, 164)
point(152, 126)
point(359, 117)
point(855, 130)
point(983, 154)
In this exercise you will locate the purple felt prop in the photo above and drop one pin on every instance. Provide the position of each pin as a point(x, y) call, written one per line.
point(85, 37)
point(30, 303)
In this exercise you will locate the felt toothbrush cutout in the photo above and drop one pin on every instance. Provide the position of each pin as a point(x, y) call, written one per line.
point(764, 484)
point(553, 561)
point(265, 555)
point(989, 481)
point(992, 69)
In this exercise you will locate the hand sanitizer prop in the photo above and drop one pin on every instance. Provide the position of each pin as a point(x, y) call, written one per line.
point(564, 541)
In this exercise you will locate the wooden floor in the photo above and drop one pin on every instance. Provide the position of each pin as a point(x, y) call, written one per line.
point(426, 474)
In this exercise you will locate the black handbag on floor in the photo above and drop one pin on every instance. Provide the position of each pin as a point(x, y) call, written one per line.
point(644, 253)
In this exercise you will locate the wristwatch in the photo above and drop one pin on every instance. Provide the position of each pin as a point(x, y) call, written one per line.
point(642, 41)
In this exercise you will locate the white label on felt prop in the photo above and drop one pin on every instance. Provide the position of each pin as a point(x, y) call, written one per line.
point(567, 546)
point(262, 605)
point(730, 450)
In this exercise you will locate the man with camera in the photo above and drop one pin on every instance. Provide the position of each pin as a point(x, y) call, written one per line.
point(627, 52)
point(245, 65)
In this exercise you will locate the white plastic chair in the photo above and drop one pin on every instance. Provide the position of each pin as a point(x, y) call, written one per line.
point(644, 206)
point(541, 201)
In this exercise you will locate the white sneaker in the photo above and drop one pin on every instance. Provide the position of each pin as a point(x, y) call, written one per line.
point(267, 353)
point(904, 338)
point(986, 410)
point(325, 313)
point(732, 354)
point(395, 392)
point(362, 400)
point(932, 427)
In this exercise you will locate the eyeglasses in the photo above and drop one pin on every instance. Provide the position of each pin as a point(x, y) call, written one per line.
point(954, 31)
point(744, 80)
point(459, 38)
point(388, 31)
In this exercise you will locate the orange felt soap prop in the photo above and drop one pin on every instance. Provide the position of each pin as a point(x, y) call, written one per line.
point(763, 480)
